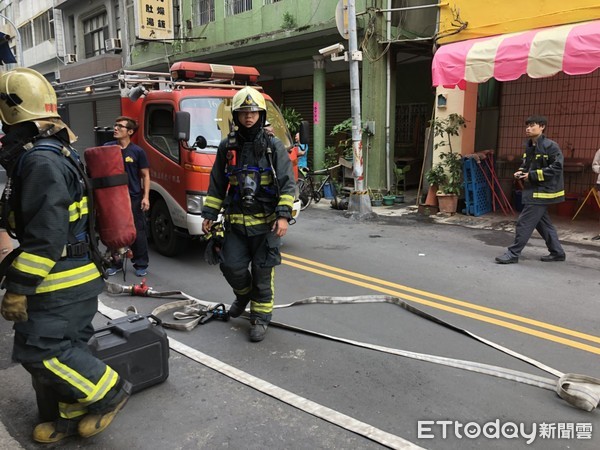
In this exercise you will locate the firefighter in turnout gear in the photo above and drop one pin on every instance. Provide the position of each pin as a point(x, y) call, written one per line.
point(252, 181)
point(53, 278)
point(542, 172)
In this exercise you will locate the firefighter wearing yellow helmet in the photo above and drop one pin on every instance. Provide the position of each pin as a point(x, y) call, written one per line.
point(52, 283)
point(252, 183)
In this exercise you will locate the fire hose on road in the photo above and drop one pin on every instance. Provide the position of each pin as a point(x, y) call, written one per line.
point(581, 391)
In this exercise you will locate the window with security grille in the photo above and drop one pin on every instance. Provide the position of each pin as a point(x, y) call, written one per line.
point(233, 7)
point(204, 11)
point(411, 121)
point(117, 14)
point(95, 32)
point(43, 27)
point(26, 32)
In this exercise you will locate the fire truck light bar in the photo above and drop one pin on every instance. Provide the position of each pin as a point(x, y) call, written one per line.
point(187, 71)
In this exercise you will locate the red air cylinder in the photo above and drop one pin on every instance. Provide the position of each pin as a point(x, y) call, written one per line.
point(111, 196)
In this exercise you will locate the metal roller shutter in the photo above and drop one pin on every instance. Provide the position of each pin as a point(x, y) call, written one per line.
point(301, 101)
point(107, 111)
point(338, 109)
point(337, 104)
point(81, 122)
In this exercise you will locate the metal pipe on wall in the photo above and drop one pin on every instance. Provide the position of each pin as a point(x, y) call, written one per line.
point(388, 99)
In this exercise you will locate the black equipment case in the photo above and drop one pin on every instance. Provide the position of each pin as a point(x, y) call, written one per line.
point(136, 347)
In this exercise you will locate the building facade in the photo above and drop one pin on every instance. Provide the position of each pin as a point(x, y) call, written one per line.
point(69, 40)
point(31, 25)
point(516, 59)
point(282, 39)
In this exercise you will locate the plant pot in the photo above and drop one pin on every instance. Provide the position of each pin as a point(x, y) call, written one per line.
point(388, 200)
point(399, 198)
point(428, 210)
point(431, 195)
point(377, 202)
point(448, 203)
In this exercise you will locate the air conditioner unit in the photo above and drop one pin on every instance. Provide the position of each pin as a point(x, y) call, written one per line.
point(70, 58)
point(113, 45)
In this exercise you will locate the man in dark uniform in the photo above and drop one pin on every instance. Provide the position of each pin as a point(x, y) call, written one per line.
point(252, 180)
point(51, 281)
point(542, 173)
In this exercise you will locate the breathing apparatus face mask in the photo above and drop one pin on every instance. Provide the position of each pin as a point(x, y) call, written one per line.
point(248, 180)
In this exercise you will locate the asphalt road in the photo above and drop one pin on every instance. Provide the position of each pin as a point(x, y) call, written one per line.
point(546, 311)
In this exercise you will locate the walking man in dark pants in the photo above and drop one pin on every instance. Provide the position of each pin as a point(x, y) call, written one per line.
point(542, 174)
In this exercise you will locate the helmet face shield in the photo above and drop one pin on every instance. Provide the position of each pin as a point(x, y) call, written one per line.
point(25, 95)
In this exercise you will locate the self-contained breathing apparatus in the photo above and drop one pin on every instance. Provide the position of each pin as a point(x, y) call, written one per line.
point(81, 245)
point(248, 180)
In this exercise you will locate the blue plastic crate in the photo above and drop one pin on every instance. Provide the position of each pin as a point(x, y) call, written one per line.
point(478, 200)
point(478, 195)
point(472, 173)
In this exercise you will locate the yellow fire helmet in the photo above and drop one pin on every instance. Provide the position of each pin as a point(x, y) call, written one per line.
point(25, 95)
point(248, 99)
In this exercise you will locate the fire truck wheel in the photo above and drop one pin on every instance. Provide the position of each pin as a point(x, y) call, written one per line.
point(164, 236)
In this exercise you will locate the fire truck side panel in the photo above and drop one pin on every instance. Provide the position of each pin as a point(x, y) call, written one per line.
point(179, 171)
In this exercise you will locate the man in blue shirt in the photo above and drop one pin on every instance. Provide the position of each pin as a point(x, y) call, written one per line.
point(137, 168)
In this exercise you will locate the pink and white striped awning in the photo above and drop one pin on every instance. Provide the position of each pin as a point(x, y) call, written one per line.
point(573, 49)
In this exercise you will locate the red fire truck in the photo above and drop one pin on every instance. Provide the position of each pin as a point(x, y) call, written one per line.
point(183, 115)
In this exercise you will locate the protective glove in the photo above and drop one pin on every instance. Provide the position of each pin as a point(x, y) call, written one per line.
point(212, 253)
point(14, 307)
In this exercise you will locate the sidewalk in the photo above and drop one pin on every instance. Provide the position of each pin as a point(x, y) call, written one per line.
point(578, 231)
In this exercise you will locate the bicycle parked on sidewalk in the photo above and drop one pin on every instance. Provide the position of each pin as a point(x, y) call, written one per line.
point(310, 190)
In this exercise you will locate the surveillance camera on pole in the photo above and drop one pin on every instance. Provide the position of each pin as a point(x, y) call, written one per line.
point(334, 52)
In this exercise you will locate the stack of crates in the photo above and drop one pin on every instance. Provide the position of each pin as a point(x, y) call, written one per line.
point(478, 194)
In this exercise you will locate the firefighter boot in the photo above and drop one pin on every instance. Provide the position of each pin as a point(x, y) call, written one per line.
point(49, 432)
point(101, 417)
point(238, 307)
point(258, 326)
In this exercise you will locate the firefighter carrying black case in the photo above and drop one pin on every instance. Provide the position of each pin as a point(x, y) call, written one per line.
point(136, 347)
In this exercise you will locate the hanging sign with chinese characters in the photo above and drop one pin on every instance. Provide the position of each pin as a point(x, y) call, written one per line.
point(154, 19)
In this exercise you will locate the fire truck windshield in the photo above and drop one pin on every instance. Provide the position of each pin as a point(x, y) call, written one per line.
point(211, 118)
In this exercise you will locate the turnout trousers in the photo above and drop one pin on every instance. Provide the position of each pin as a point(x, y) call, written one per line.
point(535, 217)
point(249, 268)
point(52, 346)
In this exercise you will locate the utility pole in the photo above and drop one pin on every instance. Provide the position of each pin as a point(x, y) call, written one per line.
point(359, 199)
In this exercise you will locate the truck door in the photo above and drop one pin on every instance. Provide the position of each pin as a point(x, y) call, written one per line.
point(164, 158)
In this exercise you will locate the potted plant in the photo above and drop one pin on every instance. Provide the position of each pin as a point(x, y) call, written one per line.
point(376, 197)
point(450, 162)
point(292, 119)
point(435, 177)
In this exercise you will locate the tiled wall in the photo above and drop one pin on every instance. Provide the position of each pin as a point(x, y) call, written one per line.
point(572, 105)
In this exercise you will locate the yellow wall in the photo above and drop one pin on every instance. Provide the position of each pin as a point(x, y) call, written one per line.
point(491, 17)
